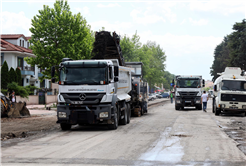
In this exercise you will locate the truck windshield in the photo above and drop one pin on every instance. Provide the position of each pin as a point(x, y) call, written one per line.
point(188, 83)
point(233, 85)
point(80, 76)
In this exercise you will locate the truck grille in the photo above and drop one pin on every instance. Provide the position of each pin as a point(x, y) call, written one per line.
point(233, 97)
point(91, 98)
point(188, 94)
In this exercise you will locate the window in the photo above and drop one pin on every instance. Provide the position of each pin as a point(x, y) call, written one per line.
point(27, 44)
point(27, 80)
point(22, 43)
point(20, 63)
point(2, 58)
point(42, 84)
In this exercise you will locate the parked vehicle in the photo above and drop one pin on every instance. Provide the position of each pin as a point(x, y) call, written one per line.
point(158, 95)
point(188, 91)
point(101, 90)
point(165, 95)
point(151, 97)
point(230, 92)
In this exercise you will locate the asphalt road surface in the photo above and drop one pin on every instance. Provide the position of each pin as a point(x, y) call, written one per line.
point(164, 136)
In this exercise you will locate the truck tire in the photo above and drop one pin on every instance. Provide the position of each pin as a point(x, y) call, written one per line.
point(177, 107)
point(128, 113)
point(65, 126)
point(116, 120)
point(217, 111)
point(213, 106)
point(1, 109)
point(124, 120)
point(199, 107)
point(142, 111)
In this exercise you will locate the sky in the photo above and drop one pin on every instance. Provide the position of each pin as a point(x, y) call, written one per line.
point(187, 31)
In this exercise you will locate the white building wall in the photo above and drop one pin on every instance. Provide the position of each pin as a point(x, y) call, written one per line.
point(11, 59)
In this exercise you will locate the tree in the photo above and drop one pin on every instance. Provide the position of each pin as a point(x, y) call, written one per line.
point(238, 44)
point(18, 76)
point(57, 34)
point(4, 75)
point(12, 75)
point(19, 90)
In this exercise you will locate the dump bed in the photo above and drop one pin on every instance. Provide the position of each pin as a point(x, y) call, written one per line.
point(124, 84)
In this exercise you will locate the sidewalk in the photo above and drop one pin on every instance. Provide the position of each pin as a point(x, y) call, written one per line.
point(40, 109)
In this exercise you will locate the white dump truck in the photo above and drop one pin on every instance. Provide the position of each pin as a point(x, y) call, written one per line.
point(188, 91)
point(230, 92)
point(93, 92)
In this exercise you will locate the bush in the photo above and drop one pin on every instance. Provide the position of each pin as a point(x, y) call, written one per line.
point(4, 75)
point(18, 76)
point(12, 75)
point(30, 89)
point(4, 91)
point(19, 90)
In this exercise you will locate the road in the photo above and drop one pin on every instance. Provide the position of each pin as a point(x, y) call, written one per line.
point(161, 137)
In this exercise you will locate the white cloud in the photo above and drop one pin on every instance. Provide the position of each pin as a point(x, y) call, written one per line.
point(224, 7)
point(183, 22)
point(84, 11)
point(108, 5)
point(199, 22)
point(146, 17)
point(13, 23)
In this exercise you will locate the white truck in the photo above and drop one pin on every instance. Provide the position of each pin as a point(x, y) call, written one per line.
point(230, 92)
point(188, 91)
point(93, 92)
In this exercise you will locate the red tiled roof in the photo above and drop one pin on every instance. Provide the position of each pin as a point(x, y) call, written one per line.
point(28, 38)
point(11, 47)
point(12, 36)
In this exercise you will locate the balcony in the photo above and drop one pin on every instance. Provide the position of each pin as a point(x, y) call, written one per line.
point(26, 70)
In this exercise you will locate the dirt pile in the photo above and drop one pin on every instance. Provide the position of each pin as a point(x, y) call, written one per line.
point(18, 110)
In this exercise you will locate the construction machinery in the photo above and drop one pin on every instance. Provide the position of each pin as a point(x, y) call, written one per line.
point(5, 105)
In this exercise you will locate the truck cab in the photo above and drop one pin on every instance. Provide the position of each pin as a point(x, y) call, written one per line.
point(230, 92)
point(188, 91)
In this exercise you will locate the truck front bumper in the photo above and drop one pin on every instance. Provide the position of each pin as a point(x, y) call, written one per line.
point(83, 114)
point(189, 102)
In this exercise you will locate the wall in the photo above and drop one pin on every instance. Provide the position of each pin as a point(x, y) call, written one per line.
point(50, 98)
point(33, 99)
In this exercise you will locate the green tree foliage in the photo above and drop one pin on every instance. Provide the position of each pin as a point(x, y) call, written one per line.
point(4, 75)
point(150, 54)
point(18, 76)
point(238, 44)
point(221, 58)
point(19, 90)
point(231, 51)
point(12, 75)
point(57, 34)
point(30, 89)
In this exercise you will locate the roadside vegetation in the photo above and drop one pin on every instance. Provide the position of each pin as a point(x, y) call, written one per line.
point(57, 33)
point(231, 52)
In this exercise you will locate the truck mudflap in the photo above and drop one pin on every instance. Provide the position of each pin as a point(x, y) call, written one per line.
point(83, 114)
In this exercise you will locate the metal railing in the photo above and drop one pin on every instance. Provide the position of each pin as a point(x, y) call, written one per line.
point(27, 68)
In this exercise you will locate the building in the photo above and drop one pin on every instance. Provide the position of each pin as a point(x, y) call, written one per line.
point(209, 84)
point(14, 48)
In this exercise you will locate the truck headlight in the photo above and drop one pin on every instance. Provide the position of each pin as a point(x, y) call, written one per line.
point(222, 105)
point(62, 114)
point(198, 101)
point(244, 106)
point(103, 115)
point(178, 101)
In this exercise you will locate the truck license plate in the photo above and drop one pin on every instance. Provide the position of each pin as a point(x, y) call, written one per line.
point(188, 101)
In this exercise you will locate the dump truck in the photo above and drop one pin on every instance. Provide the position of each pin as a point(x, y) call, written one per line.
point(140, 89)
point(230, 92)
point(188, 91)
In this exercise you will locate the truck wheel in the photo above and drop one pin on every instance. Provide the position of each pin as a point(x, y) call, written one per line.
point(217, 111)
point(142, 111)
point(124, 120)
point(116, 120)
point(1, 109)
point(65, 126)
point(177, 107)
point(214, 106)
point(128, 113)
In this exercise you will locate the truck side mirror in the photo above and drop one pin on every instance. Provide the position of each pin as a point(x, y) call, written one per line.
point(215, 88)
point(116, 79)
point(52, 71)
point(116, 71)
point(173, 83)
point(203, 83)
point(53, 80)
